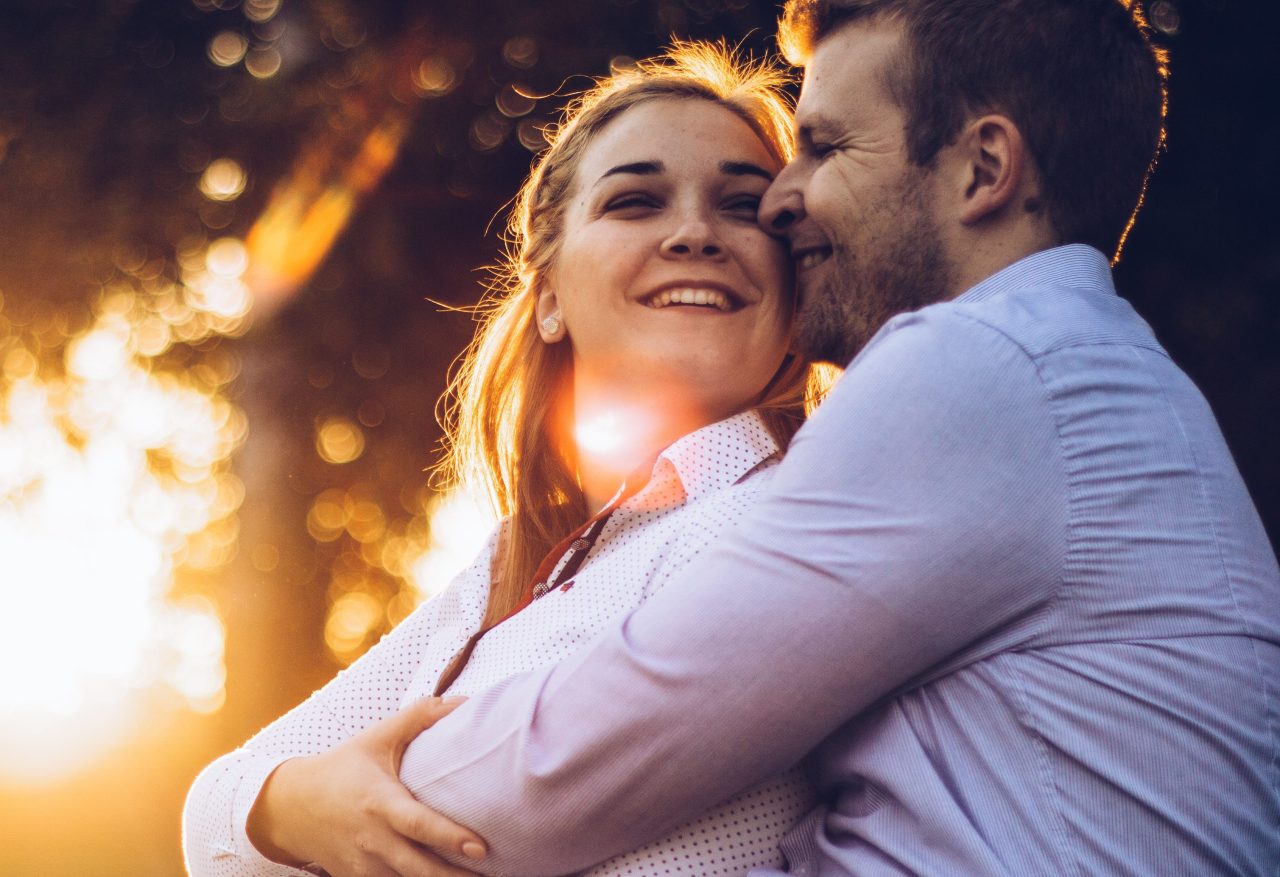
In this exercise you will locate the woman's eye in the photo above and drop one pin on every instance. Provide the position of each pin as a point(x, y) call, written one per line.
point(634, 201)
point(744, 205)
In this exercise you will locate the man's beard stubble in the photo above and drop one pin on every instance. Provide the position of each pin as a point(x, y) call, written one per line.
point(899, 267)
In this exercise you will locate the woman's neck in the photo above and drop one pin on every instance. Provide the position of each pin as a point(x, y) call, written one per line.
point(616, 435)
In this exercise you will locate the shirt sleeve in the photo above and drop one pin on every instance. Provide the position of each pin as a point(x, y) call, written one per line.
point(216, 812)
point(919, 511)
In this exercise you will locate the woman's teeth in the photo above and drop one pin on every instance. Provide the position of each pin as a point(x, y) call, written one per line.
point(705, 297)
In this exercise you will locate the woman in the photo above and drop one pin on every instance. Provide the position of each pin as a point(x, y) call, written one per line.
point(625, 400)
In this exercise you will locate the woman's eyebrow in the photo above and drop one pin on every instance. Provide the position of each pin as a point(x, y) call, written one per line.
point(643, 168)
point(649, 168)
point(744, 169)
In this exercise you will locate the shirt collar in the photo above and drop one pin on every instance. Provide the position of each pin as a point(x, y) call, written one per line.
point(718, 455)
point(1074, 265)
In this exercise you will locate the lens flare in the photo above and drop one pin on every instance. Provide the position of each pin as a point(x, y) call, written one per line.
point(460, 521)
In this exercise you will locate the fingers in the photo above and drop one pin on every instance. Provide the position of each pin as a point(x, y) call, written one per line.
point(420, 823)
point(430, 710)
point(401, 728)
point(409, 861)
point(390, 855)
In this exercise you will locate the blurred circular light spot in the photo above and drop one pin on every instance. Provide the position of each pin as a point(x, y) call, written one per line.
point(20, 364)
point(434, 77)
point(401, 607)
point(217, 214)
point(513, 103)
point(263, 62)
point(351, 618)
point(345, 33)
point(366, 523)
point(371, 363)
point(1165, 17)
point(227, 257)
point(223, 180)
point(327, 517)
point(371, 413)
point(259, 11)
point(338, 440)
point(488, 131)
point(227, 48)
point(100, 354)
point(520, 52)
point(532, 134)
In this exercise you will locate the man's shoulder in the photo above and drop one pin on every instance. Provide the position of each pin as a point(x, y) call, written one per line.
point(1046, 318)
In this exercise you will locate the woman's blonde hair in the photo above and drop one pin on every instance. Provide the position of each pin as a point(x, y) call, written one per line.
point(509, 394)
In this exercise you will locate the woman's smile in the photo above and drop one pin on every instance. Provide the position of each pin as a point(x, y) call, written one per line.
point(662, 216)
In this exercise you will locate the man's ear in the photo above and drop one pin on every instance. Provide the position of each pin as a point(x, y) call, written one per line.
point(547, 313)
point(994, 166)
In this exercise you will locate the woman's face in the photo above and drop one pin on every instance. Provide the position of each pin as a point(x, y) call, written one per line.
point(667, 288)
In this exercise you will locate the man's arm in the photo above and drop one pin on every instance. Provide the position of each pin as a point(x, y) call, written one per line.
point(920, 509)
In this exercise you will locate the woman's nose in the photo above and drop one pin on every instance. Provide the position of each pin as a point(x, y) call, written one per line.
point(694, 236)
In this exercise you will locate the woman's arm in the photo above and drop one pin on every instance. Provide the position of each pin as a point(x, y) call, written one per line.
point(351, 706)
point(347, 811)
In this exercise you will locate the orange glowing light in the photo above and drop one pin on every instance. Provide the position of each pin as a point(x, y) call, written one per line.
point(339, 440)
point(459, 523)
point(307, 213)
point(263, 63)
point(261, 11)
point(223, 180)
point(227, 48)
point(126, 461)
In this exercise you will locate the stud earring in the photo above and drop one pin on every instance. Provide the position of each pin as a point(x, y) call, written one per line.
point(551, 325)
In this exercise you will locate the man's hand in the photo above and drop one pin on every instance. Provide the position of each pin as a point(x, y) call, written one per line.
point(346, 810)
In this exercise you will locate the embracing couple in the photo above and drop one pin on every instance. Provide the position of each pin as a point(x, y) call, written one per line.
point(1004, 606)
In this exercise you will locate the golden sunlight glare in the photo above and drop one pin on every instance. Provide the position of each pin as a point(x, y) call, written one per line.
point(461, 521)
point(113, 475)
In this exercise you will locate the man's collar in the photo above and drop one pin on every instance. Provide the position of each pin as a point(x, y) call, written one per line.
point(1075, 265)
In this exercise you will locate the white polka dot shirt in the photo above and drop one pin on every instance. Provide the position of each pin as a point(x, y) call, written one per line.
point(701, 484)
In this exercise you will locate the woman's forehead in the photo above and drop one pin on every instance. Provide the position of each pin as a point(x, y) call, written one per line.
point(677, 133)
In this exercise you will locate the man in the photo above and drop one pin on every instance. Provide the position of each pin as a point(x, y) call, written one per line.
point(1008, 590)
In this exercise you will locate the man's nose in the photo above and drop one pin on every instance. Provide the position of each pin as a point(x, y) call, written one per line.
point(783, 203)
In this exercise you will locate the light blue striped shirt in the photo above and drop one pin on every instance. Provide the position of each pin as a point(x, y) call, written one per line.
point(1007, 590)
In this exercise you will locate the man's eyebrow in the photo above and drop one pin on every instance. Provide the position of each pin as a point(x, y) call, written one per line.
point(745, 169)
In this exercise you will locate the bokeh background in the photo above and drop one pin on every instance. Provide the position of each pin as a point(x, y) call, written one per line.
point(235, 239)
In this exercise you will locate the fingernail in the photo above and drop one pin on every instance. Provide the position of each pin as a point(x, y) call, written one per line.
point(474, 850)
point(454, 698)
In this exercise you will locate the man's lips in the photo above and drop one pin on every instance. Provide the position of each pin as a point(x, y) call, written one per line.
point(810, 257)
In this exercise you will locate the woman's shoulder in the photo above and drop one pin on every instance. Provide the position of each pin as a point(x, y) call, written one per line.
point(454, 586)
point(729, 456)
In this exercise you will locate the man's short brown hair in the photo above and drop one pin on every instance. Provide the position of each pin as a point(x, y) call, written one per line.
point(1081, 79)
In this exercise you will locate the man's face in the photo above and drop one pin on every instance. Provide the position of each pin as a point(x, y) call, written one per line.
point(860, 218)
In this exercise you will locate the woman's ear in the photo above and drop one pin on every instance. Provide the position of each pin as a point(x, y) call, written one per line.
point(995, 166)
point(547, 312)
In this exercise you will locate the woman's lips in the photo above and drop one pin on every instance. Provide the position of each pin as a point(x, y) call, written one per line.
point(697, 296)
